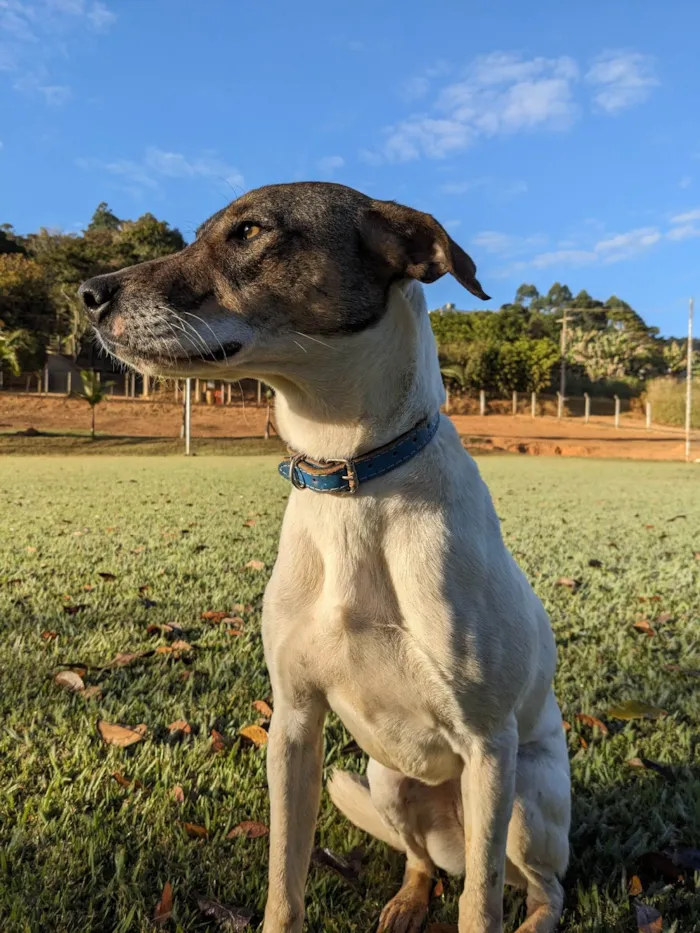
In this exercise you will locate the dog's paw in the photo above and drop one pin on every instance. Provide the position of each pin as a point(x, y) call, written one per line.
point(404, 913)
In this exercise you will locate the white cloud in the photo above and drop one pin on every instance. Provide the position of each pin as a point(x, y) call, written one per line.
point(35, 35)
point(492, 241)
point(686, 218)
point(462, 187)
point(685, 232)
point(621, 79)
point(158, 164)
point(452, 224)
point(503, 93)
point(500, 94)
point(328, 165)
point(685, 182)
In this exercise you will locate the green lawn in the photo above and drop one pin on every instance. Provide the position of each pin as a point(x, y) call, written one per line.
point(79, 852)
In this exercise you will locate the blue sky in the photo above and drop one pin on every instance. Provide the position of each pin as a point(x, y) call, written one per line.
point(555, 140)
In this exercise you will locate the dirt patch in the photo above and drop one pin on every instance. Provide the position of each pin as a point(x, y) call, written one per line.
point(545, 436)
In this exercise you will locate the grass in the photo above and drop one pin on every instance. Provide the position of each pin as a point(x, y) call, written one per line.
point(79, 852)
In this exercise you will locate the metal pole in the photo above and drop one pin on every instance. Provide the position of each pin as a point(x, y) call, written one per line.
point(533, 404)
point(177, 389)
point(562, 378)
point(648, 416)
point(46, 378)
point(689, 381)
point(259, 393)
point(560, 405)
point(69, 382)
point(188, 414)
point(515, 403)
point(482, 402)
point(228, 393)
point(617, 411)
point(588, 406)
point(146, 380)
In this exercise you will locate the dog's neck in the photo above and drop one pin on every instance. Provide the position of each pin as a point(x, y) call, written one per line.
point(361, 391)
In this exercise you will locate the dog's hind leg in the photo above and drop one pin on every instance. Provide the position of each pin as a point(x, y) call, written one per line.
point(389, 806)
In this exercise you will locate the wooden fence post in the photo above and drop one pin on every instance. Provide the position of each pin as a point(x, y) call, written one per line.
point(560, 405)
point(648, 416)
point(69, 382)
point(259, 393)
point(228, 393)
point(588, 406)
point(482, 402)
point(515, 403)
point(617, 411)
point(46, 378)
point(533, 404)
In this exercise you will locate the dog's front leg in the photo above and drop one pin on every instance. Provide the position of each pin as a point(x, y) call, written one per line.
point(488, 789)
point(294, 769)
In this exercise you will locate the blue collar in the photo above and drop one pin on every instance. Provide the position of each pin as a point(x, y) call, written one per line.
point(346, 476)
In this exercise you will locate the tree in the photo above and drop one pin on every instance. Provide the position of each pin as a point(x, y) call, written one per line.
point(25, 305)
point(103, 219)
point(12, 343)
point(453, 372)
point(94, 393)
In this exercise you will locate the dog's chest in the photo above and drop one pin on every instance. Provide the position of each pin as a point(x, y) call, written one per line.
point(388, 695)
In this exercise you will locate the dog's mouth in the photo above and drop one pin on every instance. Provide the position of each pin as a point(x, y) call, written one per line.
point(167, 358)
point(225, 351)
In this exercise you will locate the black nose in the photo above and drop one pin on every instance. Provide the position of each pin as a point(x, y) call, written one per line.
point(96, 294)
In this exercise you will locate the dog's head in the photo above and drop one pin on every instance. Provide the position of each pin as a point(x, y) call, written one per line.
point(306, 258)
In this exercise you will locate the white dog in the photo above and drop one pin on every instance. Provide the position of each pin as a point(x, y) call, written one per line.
point(393, 601)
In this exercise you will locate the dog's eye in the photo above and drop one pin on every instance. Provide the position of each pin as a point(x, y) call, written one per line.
point(245, 231)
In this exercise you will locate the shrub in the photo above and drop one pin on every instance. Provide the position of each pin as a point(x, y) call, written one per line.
point(667, 397)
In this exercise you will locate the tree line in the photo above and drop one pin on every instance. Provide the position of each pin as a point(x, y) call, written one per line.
point(608, 345)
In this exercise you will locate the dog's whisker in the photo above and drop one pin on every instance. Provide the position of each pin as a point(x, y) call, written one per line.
point(198, 318)
point(316, 340)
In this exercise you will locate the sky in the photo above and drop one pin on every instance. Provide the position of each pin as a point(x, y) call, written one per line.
point(555, 141)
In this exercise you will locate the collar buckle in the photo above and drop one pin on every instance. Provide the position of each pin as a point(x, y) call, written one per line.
point(350, 475)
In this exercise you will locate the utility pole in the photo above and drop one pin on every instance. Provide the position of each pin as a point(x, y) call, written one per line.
point(689, 381)
point(562, 378)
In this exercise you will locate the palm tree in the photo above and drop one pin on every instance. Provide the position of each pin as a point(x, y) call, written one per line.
point(269, 395)
point(93, 393)
point(452, 372)
point(12, 342)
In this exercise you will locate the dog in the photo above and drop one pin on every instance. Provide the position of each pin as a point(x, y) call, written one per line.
point(393, 601)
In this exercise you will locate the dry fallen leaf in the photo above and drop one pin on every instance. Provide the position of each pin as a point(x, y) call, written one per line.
point(234, 631)
point(123, 736)
point(49, 636)
point(592, 722)
point(645, 626)
point(31, 550)
point(180, 725)
point(213, 616)
point(649, 920)
point(164, 907)
point(219, 742)
point(569, 582)
point(181, 645)
point(144, 588)
point(583, 743)
point(348, 868)
point(251, 829)
point(566, 726)
point(686, 671)
point(196, 832)
point(235, 621)
point(178, 793)
point(439, 888)
point(646, 764)
point(70, 681)
point(635, 709)
point(255, 734)
point(263, 708)
point(649, 599)
point(92, 693)
point(634, 888)
point(230, 919)
point(255, 565)
point(125, 782)
point(251, 523)
point(124, 658)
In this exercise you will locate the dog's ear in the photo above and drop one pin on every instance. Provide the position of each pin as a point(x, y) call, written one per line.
point(414, 245)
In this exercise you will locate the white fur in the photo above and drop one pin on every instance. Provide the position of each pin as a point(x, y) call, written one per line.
point(400, 609)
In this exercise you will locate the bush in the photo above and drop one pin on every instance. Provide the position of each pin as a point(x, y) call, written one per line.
point(667, 397)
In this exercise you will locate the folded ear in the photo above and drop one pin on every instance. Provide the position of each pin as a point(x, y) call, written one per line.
point(414, 245)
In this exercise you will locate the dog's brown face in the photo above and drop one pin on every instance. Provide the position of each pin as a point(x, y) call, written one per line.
point(307, 258)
